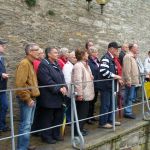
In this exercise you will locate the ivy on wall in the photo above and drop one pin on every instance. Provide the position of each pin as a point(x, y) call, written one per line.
point(30, 3)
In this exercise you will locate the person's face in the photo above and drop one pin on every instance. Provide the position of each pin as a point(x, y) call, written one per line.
point(94, 54)
point(90, 44)
point(34, 52)
point(53, 54)
point(85, 57)
point(41, 55)
point(72, 58)
point(125, 47)
point(135, 49)
point(2, 48)
point(114, 51)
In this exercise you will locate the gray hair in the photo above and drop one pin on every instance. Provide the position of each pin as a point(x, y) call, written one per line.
point(64, 51)
point(93, 49)
point(30, 46)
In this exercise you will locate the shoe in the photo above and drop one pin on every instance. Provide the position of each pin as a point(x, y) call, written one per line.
point(132, 116)
point(59, 138)
point(90, 122)
point(107, 126)
point(49, 141)
point(117, 123)
point(32, 147)
point(94, 119)
point(84, 133)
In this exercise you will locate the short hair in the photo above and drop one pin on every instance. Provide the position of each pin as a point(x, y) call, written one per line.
point(63, 51)
point(29, 47)
point(131, 46)
point(79, 53)
point(93, 49)
point(48, 50)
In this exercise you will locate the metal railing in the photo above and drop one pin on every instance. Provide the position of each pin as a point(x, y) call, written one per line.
point(76, 141)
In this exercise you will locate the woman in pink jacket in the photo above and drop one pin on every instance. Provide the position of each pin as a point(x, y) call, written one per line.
point(84, 87)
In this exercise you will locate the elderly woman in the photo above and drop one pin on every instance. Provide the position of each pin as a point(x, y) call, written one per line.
point(94, 64)
point(83, 79)
point(51, 98)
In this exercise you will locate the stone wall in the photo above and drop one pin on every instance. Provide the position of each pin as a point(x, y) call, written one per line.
point(137, 138)
point(71, 25)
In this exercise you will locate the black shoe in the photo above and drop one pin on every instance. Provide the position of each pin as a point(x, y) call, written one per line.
point(49, 141)
point(90, 122)
point(94, 119)
point(84, 132)
point(59, 138)
point(132, 116)
point(32, 147)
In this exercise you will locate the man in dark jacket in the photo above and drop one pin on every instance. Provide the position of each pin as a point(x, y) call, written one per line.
point(3, 86)
point(51, 98)
point(107, 71)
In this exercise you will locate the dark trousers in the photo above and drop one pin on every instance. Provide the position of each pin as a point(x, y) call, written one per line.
point(3, 109)
point(92, 105)
point(50, 117)
point(82, 111)
point(106, 106)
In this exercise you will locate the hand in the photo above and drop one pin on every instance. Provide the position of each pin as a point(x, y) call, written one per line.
point(121, 82)
point(63, 90)
point(79, 97)
point(117, 77)
point(5, 75)
point(31, 103)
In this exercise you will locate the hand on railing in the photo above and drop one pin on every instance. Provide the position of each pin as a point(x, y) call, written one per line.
point(5, 75)
point(117, 77)
point(63, 90)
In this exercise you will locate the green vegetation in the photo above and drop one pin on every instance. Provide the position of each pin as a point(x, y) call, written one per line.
point(30, 3)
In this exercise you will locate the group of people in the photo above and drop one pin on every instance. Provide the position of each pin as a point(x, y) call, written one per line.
point(44, 82)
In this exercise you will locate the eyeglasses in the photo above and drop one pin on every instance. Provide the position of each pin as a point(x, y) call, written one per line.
point(34, 49)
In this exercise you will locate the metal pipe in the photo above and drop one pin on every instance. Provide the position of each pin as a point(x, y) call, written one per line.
point(12, 121)
point(113, 103)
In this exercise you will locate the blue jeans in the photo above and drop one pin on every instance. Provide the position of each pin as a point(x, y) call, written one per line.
point(3, 109)
point(105, 107)
point(129, 97)
point(26, 120)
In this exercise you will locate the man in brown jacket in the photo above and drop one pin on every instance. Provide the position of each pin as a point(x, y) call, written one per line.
point(131, 78)
point(26, 79)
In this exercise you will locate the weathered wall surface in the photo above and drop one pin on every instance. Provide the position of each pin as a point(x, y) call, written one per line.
point(72, 25)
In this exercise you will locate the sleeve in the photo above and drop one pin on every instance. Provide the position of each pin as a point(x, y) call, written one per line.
point(146, 69)
point(105, 69)
point(66, 72)
point(21, 82)
point(44, 77)
point(127, 69)
point(77, 79)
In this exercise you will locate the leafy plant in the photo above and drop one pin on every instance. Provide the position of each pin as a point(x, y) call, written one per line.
point(30, 3)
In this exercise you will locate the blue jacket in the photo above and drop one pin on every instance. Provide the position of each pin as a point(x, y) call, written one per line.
point(50, 74)
point(3, 82)
point(95, 71)
point(107, 71)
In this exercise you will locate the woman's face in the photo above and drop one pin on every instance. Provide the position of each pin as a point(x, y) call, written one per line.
point(85, 57)
point(53, 54)
point(94, 54)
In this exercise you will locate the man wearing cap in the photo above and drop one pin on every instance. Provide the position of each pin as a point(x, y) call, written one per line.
point(108, 70)
point(26, 78)
point(131, 78)
point(3, 86)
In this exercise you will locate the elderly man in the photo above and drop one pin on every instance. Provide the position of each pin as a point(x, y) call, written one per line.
point(131, 78)
point(26, 78)
point(3, 86)
point(108, 71)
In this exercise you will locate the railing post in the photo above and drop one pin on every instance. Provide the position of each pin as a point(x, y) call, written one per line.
point(12, 121)
point(113, 103)
point(75, 140)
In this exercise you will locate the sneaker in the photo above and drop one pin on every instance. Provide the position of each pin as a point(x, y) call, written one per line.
point(32, 147)
point(107, 126)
